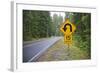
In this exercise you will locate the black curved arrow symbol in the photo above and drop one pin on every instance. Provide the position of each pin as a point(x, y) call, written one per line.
point(65, 28)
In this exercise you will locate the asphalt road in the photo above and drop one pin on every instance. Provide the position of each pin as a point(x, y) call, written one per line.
point(33, 51)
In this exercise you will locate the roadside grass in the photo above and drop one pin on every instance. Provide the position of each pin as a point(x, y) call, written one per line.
point(55, 52)
point(60, 52)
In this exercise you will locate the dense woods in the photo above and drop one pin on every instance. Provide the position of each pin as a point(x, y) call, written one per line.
point(36, 24)
point(39, 24)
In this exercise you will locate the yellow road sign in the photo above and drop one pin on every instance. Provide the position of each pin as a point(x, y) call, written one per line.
point(68, 39)
point(67, 27)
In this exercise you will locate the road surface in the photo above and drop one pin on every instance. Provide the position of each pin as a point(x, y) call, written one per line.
point(33, 51)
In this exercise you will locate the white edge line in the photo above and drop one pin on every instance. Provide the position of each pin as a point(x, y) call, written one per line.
point(40, 52)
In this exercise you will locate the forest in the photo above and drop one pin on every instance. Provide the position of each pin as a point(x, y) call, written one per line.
point(39, 24)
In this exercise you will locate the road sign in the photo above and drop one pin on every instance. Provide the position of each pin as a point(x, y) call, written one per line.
point(67, 27)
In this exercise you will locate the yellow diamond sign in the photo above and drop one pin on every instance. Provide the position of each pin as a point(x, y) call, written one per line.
point(67, 27)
